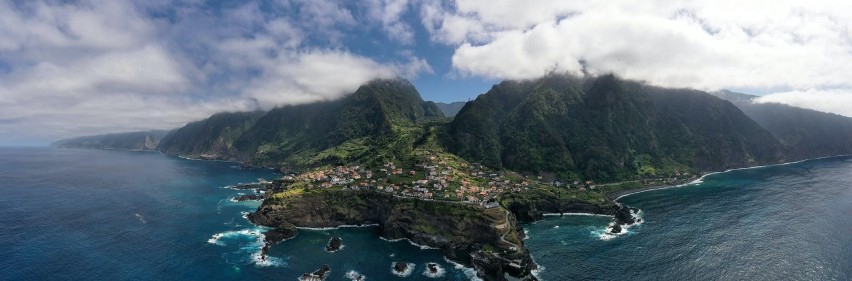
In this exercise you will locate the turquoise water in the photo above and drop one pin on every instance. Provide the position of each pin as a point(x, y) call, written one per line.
point(788, 222)
point(71, 214)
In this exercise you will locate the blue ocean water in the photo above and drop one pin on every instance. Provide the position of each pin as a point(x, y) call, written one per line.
point(74, 214)
point(787, 222)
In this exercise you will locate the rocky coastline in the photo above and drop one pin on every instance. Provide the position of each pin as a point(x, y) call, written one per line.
point(492, 236)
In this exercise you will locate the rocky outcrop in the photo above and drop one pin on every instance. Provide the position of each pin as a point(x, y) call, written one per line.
point(400, 267)
point(334, 244)
point(451, 227)
point(248, 197)
point(318, 275)
point(283, 232)
point(531, 205)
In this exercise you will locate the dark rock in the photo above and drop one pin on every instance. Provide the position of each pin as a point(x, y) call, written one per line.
point(334, 244)
point(400, 267)
point(616, 228)
point(624, 215)
point(250, 186)
point(433, 267)
point(247, 197)
point(532, 206)
point(316, 275)
point(282, 232)
point(264, 251)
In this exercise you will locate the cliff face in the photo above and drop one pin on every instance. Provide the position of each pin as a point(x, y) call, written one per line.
point(210, 139)
point(136, 141)
point(308, 135)
point(490, 234)
point(606, 129)
point(806, 133)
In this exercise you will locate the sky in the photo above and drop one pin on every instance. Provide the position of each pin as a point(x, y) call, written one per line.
point(70, 68)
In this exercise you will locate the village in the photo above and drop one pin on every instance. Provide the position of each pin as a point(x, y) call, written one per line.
point(435, 176)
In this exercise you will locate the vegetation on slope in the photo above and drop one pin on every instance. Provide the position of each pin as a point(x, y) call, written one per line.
point(807, 133)
point(605, 129)
point(212, 138)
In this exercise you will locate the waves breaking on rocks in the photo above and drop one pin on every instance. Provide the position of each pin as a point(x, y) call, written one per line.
point(434, 270)
point(402, 269)
point(614, 229)
point(250, 242)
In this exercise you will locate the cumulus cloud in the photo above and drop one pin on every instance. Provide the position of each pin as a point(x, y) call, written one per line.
point(313, 76)
point(389, 13)
point(700, 44)
point(86, 67)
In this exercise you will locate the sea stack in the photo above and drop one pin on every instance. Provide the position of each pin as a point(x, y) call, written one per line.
point(432, 267)
point(318, 275)
point(334, 244)
point(400, 267)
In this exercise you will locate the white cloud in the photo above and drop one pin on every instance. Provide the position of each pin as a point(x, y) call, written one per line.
point(837, 101)
point(700, 44)
point(314, 76)
point(86, 67)
point(389, 13)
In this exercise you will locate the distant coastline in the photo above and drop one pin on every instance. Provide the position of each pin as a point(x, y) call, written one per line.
point(697, 180)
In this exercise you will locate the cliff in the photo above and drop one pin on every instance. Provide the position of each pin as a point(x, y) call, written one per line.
point(607, 129)
point(134, 141)
point(806, 133)
point(210, 139)
point(490, 234)
point(356, 128)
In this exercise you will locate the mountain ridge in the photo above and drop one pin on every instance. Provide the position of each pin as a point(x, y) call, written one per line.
point(134, 141)
point(808, 133)
point(605, 128)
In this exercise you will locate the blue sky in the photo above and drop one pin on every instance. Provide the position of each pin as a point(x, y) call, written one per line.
point(80, 67)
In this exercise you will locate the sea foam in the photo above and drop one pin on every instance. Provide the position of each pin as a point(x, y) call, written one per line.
point(440, 271)
point(355, 276)
point(469, 272)
point(422, 247)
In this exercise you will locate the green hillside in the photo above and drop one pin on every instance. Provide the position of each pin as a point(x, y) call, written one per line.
point(605, 128)
point(808, 133)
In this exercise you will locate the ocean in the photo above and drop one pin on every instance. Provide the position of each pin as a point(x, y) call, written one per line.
point(75, 214)
point(783, 222)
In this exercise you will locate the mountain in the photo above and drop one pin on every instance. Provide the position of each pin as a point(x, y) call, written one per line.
point(143, 140)
point(605, 128)
point(450, 109)
point(599, 128)
point(809, 133)
point(361, 127)
point(212, 138)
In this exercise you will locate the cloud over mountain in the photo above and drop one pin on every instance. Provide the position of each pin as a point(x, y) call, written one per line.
point(85, 67)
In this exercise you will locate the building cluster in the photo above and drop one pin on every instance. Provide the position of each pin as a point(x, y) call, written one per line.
point(431, 178)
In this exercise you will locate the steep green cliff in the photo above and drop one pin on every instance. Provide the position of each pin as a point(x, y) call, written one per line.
point(376, 122)
point(336, 132)
point(605, 128)
point(212, 138)
point(807, 133)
